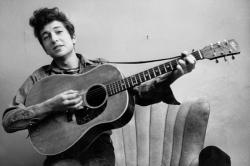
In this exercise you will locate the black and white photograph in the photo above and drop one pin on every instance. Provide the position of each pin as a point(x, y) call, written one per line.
point(124, 83)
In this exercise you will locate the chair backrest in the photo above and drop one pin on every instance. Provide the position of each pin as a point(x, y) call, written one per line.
point(162, 135)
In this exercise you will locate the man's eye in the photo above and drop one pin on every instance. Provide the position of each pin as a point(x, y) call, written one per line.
point(45, 37)
point(58, 32)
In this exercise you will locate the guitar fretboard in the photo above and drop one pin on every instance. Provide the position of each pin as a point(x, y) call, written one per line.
point(136, 79)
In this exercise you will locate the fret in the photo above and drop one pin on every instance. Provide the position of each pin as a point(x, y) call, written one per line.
point(160, 73)
point(108, 90)
point(123, 84)
point(141, 76)
point(134, 81)
point(151, 73)
point(157, 71)
point(127, 82)
point(197, 54)
point(168, 67)
point(123, 87)
point(164, 65)
point(111, 89)
point(147, 75)
point(171, 66)
point(118, 87)
point(115, 90)
point(138, 80)
point(163, 69)
point(142, 73)
point(130, 81)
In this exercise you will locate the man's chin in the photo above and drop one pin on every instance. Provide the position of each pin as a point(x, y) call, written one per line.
point(59, 54)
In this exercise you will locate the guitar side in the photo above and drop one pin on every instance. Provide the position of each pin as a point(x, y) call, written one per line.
point(56, 133)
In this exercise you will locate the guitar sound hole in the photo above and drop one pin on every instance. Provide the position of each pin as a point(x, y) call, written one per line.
point(96, 96)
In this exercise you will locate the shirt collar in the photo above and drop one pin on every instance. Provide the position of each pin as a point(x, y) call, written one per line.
point(53, 68)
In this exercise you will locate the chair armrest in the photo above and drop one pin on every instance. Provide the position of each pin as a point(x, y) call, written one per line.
point(194, 130)
point(195, 162)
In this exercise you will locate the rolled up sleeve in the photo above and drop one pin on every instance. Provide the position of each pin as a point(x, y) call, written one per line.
point(17, 116)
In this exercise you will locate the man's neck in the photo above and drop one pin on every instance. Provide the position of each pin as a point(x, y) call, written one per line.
point(69, 62)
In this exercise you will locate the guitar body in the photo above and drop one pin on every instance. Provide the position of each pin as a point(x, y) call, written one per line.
point(57, 132)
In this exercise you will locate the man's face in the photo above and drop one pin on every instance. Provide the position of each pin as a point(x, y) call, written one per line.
point(57, 41)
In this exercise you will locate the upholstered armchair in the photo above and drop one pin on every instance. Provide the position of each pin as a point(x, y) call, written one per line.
point(163, 135)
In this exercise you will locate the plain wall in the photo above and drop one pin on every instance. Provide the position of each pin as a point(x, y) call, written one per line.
point(128, 30)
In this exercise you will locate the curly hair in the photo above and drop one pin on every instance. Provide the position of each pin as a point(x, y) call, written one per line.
point(43, 16)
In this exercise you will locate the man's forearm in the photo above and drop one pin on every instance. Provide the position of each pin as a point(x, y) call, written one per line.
point(22, 118)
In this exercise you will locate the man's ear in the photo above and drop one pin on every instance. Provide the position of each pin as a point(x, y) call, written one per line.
point(74, 39)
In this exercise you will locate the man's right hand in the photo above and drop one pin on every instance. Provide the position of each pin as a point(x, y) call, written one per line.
point(70, 99)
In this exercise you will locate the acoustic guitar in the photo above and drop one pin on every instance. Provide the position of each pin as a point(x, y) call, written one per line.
point(107, 102)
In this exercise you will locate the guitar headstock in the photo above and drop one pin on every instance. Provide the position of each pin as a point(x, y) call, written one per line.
point(221, 49)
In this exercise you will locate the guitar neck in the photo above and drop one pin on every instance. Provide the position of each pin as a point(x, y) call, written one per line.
point(136, 79)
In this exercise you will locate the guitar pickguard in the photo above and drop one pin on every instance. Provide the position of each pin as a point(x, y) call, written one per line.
point(86, 114)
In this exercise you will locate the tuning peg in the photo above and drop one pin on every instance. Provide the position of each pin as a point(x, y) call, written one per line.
point(225, 58)
point(217, 61)
point(233, 57)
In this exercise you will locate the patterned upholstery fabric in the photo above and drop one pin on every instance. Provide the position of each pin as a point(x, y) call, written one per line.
point(163, 135)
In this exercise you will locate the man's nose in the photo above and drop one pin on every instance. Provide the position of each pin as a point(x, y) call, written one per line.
point(54, 38)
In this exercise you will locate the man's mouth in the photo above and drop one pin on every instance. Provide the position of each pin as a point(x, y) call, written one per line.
point(57, 47)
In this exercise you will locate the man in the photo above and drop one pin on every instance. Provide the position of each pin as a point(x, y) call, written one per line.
point(56, 35)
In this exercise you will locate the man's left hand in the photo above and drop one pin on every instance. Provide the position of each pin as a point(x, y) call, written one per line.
point(185, 65)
